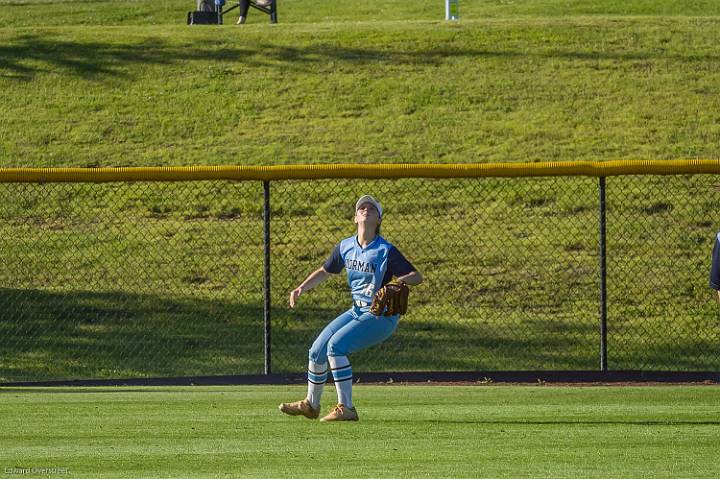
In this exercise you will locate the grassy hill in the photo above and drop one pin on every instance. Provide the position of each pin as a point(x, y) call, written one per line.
point(127, 83)
point(163, 280)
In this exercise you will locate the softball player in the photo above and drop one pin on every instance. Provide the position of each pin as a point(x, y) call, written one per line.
point(715, 268)
point(371, 262)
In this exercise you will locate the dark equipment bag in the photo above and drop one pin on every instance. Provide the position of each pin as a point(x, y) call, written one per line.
point(203, 18)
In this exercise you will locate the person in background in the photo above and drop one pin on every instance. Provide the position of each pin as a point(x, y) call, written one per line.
point(245, 6)
point(205, 6)
point(715, 267)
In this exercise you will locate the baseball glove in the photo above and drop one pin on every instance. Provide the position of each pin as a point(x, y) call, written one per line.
point(391, 299)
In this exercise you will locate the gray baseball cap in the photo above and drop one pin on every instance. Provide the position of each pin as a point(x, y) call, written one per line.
point(369, 199)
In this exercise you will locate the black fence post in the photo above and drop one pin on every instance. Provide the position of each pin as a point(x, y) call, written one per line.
point(266, 276)
point(603, 280)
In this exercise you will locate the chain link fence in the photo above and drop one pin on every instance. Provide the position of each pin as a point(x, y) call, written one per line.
point(146, 279)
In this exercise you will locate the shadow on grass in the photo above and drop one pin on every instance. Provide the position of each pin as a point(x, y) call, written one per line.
point(496, 344)
point(25, 55)
point(95, 335)
point(54, 335)
point(444, 344)
point(87, 390)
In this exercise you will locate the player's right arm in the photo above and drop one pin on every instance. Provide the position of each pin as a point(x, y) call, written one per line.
point(315, 278)
point(333, 265)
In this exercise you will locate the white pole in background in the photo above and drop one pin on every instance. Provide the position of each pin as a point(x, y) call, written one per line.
point(451, 9)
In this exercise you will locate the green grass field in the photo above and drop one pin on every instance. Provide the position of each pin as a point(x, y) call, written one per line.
point(404, 431)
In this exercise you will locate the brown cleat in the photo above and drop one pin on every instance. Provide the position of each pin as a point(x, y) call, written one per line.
point(299, 408)
point(341, 413)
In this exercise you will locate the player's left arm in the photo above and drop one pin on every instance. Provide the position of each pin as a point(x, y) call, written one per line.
point(402, 268)
point(413, 278)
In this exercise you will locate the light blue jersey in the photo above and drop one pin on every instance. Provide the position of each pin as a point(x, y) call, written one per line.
point(369, 268)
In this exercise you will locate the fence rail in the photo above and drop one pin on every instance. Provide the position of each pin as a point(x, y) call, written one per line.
point(141, 272)
point(359, 171)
